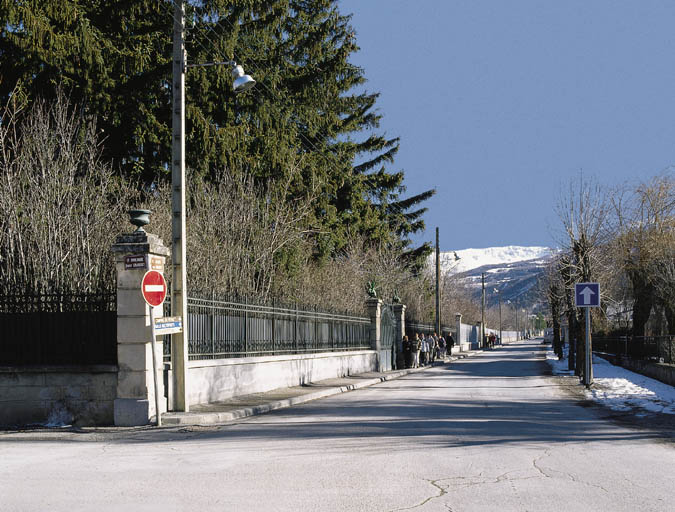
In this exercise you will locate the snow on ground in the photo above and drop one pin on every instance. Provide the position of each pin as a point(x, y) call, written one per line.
point(621, 389)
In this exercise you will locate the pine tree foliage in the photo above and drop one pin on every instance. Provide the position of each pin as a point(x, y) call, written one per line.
point(111, 55)
point(114, 56)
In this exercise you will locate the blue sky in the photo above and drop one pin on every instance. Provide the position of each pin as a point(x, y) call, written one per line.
point(500, 103)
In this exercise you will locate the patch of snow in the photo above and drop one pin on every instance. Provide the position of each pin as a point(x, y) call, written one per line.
point(621, 389)
point(59, 417)
point(559, 367)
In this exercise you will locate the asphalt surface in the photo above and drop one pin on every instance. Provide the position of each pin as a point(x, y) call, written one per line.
point(491, 432)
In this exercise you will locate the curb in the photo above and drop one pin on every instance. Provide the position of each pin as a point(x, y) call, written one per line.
point(212, 418)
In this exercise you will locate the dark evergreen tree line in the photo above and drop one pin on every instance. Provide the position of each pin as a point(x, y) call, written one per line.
point(307, 111)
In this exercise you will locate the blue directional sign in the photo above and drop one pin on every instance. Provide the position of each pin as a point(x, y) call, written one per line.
point(168, 325)
point(587, 295)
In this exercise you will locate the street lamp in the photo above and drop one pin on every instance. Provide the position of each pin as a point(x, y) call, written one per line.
point(242, 82)
point(438, 281)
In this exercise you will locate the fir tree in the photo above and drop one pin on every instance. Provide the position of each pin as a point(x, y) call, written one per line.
point(114, 56)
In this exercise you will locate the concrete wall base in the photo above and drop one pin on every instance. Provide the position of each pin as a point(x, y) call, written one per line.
point(57, 396)
point(130, 412)
point(220, 379)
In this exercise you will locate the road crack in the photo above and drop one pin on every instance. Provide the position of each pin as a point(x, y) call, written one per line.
point(442, 492)
point(538, 468)
point(571, 476)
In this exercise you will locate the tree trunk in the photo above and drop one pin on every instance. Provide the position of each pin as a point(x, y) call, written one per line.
point(670, 318)
point(581, 348)
point(557, 344)
point(642, 308)
point(572, 327)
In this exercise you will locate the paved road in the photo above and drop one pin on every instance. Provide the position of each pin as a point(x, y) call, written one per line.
point(488, 433)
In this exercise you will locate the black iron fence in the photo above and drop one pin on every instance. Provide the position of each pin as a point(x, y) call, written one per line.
point(655, 348)
point(225, 329)
point(413, 327)
point(58, 329)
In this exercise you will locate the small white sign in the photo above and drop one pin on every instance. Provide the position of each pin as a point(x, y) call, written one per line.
point(168, 325)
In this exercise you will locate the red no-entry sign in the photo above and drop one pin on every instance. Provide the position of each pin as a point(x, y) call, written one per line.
point(153, 288)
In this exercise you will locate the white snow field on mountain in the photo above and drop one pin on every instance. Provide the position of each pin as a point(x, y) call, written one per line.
point(470, 259)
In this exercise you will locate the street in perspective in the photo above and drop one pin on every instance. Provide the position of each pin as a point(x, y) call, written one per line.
point(337, 256)
point(492, 431)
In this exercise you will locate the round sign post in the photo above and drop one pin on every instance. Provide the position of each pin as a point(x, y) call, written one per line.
point(153, 288)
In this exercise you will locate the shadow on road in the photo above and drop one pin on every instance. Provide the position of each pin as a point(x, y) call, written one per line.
point(479, 409)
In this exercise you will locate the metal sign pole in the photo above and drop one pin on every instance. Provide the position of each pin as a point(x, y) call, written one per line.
point(154, 365)
point(587, 296)
point(588, 373)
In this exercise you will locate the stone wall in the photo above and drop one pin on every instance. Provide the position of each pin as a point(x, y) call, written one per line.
point(658, 371)
point(82, 395)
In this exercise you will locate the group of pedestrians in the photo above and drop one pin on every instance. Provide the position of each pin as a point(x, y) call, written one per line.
point(491, 340)
point(423, 349)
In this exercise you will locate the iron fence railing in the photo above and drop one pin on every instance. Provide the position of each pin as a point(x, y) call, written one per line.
point(226, 329)
point(414, 327)
point(58, 329)
point(656, 348)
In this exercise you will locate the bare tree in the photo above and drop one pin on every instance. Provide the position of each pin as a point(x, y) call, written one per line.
point(645, 244)
point(60, 204)
point(236, 230)
point(556, 299)
point(584, 213)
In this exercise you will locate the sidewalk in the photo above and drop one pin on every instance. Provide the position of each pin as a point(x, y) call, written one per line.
point(259, 403)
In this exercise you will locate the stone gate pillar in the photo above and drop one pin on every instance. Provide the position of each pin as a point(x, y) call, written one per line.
point(374, 306)
point(135, 254)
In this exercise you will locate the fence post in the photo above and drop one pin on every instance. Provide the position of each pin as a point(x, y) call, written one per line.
point(458, 330)
point(625, 346)
point(399, 318)
point(374, 306)
point(331, 337)
point(274, 309)
point(246, 326)
point(295, 328)
point(134, 403)
point(316, 330)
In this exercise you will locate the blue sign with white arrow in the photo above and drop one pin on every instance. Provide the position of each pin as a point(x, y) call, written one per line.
point(587, 295)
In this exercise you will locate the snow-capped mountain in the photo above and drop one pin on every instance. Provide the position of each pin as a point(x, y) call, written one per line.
point(457, 262)
point(513, 270)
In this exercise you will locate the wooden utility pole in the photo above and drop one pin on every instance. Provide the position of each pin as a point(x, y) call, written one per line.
point(438, 289)
point(482, 311)
point(179, 341)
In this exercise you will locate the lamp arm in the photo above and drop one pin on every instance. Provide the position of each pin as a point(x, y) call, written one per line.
point(230, 63)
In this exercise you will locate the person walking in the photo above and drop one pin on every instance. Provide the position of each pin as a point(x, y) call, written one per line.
point(441, 348)
point(424, 351)
point(406, 345)
point(415, 352)
point(433, 347)
point(450, 343)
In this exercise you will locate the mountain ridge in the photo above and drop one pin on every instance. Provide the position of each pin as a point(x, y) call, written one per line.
point(470, 259)
point(513, 270)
